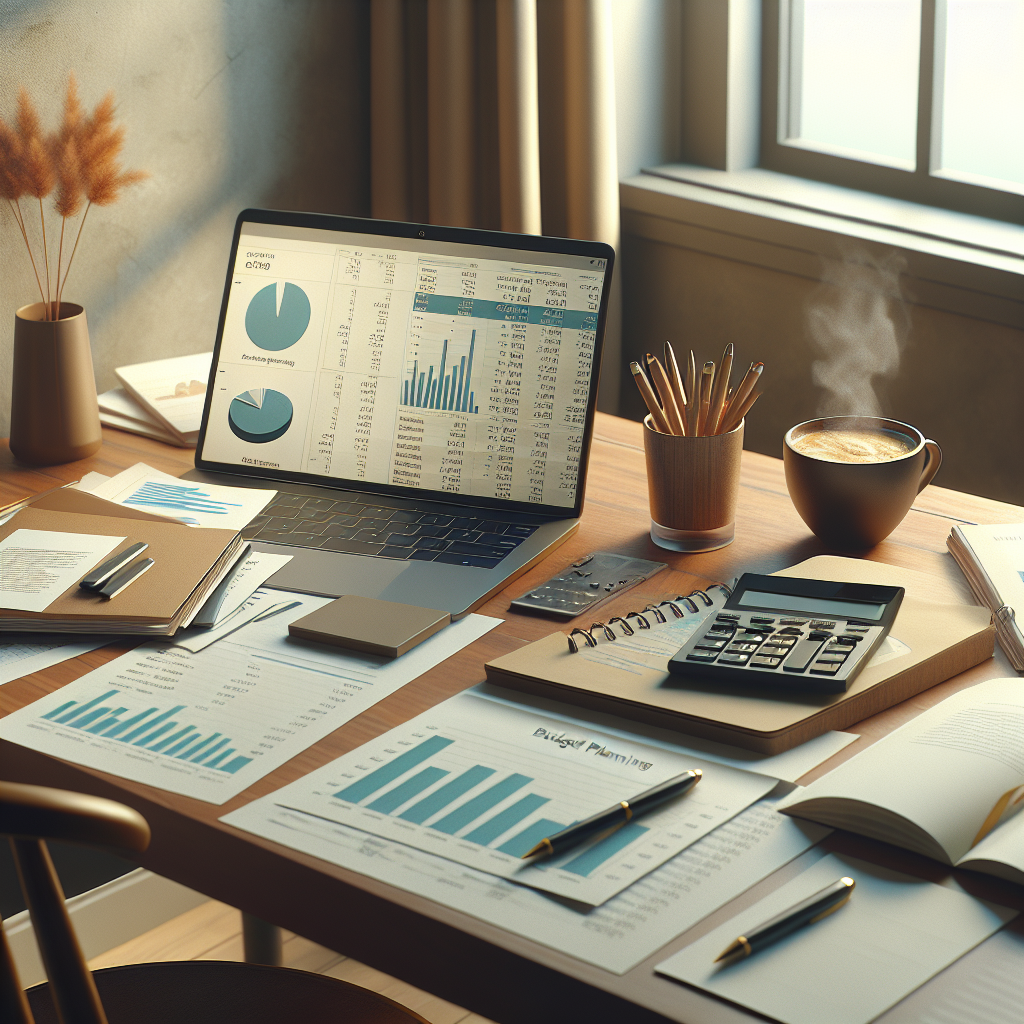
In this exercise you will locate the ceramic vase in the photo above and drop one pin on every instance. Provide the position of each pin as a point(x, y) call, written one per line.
point(54, 414)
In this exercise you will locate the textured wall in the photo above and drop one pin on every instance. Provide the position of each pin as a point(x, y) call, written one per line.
point(228, 104)
point(949, 360)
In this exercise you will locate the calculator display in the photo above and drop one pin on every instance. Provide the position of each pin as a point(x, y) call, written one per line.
point(812, 605)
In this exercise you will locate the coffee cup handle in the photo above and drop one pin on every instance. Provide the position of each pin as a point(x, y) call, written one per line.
point(932, 461)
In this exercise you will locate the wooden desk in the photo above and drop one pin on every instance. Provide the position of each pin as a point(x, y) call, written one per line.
point(470, 962)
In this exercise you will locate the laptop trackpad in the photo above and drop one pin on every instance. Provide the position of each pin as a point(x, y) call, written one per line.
point(315, 572)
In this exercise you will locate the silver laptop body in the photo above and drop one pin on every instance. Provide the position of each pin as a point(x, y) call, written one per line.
point(421, 397)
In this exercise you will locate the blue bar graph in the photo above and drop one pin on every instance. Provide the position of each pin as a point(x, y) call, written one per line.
point(531, 836)
point(472, 809)
point(593, 858)
point(159, 733)
point(394, 798)
point(441, 798)
point(442, 387)
point(502, 822)
point(380, 777)
point(442, 786)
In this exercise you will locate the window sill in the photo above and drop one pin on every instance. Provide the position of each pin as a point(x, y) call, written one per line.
point(957, 262)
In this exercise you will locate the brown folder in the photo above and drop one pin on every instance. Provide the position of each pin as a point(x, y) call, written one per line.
point(68, 499)
point(187, 564)
point(944, 640)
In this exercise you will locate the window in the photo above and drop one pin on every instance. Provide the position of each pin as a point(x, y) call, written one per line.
point(918, 99)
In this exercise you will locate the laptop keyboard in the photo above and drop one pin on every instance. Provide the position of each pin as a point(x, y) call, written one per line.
point(385, 531)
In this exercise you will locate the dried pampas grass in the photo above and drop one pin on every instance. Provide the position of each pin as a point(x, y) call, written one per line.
point(80, 163)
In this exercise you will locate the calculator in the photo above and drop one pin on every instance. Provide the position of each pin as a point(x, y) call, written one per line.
point(778, 632)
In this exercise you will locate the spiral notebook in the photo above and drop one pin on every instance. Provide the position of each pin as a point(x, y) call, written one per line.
point(626, 673)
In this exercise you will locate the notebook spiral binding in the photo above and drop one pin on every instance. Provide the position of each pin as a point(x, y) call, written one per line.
point(641, 617)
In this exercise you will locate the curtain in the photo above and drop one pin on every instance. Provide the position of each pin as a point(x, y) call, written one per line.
point(498, 114)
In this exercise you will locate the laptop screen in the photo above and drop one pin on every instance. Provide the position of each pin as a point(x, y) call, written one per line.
point(461, 369)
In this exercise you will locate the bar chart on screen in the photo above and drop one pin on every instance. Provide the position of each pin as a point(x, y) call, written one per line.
point(442, 379)
point(480, 782)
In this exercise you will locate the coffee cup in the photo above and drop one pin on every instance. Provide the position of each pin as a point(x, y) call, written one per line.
point(854, 478)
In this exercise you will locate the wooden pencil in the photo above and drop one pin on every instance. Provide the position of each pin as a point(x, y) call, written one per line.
point(739, 411)
point(744, 388)
point(675, 379)
point(657, 416)
point(692, 395)
point(721, 390)
point(707, 381)
point(659, 378)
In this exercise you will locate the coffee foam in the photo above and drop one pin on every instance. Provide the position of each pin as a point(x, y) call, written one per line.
point(858, 446)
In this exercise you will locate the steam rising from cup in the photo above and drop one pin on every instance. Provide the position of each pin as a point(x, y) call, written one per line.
point(858, 324)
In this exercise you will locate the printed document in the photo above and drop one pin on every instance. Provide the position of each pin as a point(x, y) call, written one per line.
point(208, 725)
point(37, 566)
point(889, 939)
point(24, 653)
point(617, 936)
point(482, 782)
point(195, 504)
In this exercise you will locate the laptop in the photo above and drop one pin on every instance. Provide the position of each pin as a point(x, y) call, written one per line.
point(421, 397)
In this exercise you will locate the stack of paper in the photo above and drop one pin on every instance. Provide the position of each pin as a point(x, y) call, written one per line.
point(992, 558)
point(118, 409)
point(169, 392)
point(207, 505)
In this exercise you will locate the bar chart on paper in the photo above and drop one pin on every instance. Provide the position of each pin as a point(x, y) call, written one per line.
point(481, 782)
point(209, 724)
point(154, 730)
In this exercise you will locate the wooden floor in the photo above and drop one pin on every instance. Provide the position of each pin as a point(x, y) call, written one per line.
point(213, 931)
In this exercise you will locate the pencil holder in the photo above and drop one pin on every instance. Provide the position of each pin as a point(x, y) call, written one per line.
point(693, 483)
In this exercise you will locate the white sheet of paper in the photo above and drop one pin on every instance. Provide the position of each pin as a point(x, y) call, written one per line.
point(37, 566)
point(986, 986)
point(481, 782)
point(209, 505)
point(262, 601)
point(788, 766)
point(615, 936)
point(176, 387)
point(892, 936)
point(24, 653)
point(209, 725)
point(89, 481)
point(257, 568)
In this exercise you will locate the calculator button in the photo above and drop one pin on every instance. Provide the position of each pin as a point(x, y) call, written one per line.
point(742, 648)
point(701, 656)
point(823, 625)
point(830, 659)
point(790, 631)
point(774, 651)
point(792, 622)
point(801, 655)
point(857, 629)
point(782, 641)
point(759, 633)
point(849, 638)
point(709, 645)
point(733, 659)
point(726, 617)
point(760, 661)
point(761, 620)
point(825, 670)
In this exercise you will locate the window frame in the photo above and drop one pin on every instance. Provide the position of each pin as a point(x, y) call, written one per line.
point(924, 184)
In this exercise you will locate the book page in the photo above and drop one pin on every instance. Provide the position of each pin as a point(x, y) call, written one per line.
point(945, 772)
point(1001, 852)
point(1000, 550)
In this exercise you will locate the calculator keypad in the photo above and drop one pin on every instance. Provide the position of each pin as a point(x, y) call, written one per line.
point(787, 648)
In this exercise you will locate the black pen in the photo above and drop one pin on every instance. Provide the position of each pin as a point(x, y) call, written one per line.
point(808, 911)
point(617, 816)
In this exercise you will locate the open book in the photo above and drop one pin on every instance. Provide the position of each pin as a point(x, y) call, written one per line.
point(949, 784)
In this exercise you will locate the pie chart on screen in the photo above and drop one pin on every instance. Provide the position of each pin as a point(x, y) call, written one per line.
point(260, 415)
point(272, 326)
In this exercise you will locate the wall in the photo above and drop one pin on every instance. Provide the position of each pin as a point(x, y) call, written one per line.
point(230, 104)
point(959, 381)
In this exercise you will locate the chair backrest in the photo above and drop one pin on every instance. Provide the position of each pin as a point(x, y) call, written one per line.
point(30, 815)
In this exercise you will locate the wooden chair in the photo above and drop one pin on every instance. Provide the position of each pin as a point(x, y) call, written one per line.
point(196, 991)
